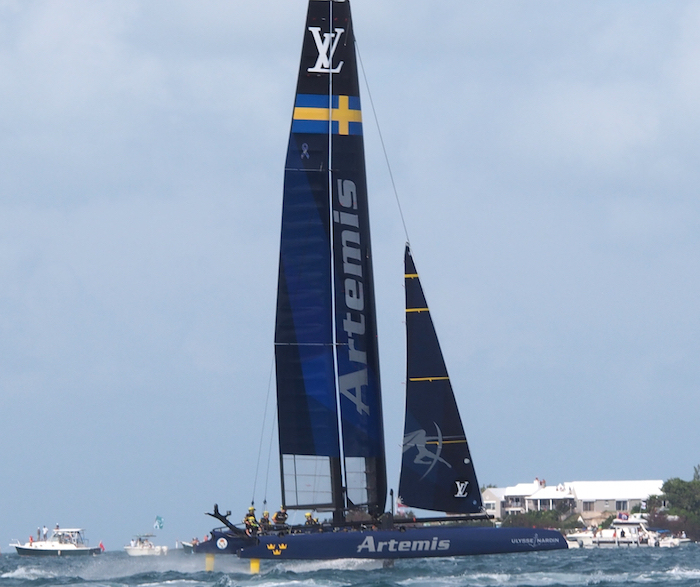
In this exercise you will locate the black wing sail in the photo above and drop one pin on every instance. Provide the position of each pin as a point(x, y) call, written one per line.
point(326, 341)
point(437, 472)
point(304, 341)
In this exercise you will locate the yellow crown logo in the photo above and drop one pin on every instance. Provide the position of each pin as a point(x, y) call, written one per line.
point(276, 548)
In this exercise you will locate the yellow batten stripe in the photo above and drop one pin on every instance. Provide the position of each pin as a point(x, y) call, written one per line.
point(417, 310)
point(447, 442)
point(411, 275)
point(428, 378)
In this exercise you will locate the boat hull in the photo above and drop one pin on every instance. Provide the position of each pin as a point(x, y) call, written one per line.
point(222, 542)
point(434, 541)
point(65, 551)
point(146, 551)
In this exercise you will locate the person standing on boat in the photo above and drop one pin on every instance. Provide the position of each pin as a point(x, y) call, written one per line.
point(45, 532)
point(280, 517)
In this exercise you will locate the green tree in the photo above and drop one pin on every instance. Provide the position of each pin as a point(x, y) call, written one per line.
point(683, 499)
point(682, 495)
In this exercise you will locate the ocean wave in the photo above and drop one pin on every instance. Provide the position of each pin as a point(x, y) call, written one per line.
point(27, 573)
point(581, 568)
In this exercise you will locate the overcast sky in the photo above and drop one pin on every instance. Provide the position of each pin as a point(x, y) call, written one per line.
point(546, 159)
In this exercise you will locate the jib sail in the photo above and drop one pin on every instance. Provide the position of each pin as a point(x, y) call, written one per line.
point(437, 472)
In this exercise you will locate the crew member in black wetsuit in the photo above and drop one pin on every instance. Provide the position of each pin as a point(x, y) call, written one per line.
point(251, 524)
point(280, 517)
point(264, 522)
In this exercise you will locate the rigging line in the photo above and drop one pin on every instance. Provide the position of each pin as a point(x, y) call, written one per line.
point(381, 141)
point(269, 451)
point(262, 434)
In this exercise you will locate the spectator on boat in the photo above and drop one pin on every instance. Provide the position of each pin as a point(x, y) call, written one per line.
point(45, 532)
point(264, 522)
point(280, 517)
point(38, 534)
point(251, 523)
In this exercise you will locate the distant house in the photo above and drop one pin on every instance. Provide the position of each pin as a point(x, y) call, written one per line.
point(493, 498)
point(555, 497)
point(515, 497)
point(596, 499)
point(592, 500)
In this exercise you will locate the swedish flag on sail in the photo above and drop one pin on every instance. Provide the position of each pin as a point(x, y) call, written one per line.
point(311, 115)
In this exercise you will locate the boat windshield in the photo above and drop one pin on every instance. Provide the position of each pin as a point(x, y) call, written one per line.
point(68, 536)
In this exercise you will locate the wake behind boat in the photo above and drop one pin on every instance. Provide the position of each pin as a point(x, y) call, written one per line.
point(63, 542)
point(330, 424)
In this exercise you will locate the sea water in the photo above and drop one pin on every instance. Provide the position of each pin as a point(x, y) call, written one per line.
point(616, 567)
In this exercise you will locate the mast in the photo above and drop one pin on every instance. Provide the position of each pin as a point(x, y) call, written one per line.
point(329, 401)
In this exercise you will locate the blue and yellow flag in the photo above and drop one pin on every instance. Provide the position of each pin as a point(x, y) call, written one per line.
point(311, 115)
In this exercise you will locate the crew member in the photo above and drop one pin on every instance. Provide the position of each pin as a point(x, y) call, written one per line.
point(280, 517)
point(251, 524)
point(310, 521)
point(264, 522)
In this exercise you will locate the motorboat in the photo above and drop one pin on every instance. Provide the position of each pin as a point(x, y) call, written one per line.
point(63, 542)
point(625, 531)
point(188, 547)
point(141, 545)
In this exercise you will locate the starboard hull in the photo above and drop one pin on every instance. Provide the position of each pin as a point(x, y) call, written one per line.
point(397, 544)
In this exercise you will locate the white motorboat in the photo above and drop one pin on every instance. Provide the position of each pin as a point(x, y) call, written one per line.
point(63, 542)
point(141, 545)
point(623, 532)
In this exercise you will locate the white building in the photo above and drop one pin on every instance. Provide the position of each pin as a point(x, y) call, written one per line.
point(515, 497)
point(596, 499)
point(593, 500)
point(555, 497)
point(493, 499)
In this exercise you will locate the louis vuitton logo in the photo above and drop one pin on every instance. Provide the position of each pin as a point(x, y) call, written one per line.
point(326, 46)
point(461, 488)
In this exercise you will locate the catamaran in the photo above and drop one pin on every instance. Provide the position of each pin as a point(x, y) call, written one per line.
point(331, 437)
